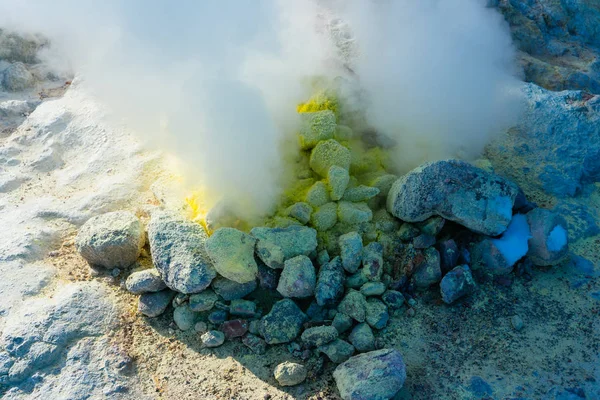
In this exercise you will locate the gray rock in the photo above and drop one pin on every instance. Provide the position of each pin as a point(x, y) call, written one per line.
point(354, 305)
point(457, 191)
point(283, 323)
point(254, 343)
point(337, 351)
point(154, 304)
point(351, 251)
point(230, 290)
point(201, 327)
point(148, 280)
point(232, 254)
point(276, 245)
point(179, 253)
point(17, 78)
point(372, 289)
point(456, 284)
point(213, 338)
point(428, 271)
point(184, 317)
point(549, 242)
point(372, 260)
point(290, 374)
point(377, 313)
point(393, 299)
point(298, 278)
point(377, 375)
point(324, 217)
point(319, 335)
point(354, 213)
point(342, 322)
point(301, 211)
point(516, 322)
point(362, 337)
point(330, 285)
point(203, 301)
point(111, 240)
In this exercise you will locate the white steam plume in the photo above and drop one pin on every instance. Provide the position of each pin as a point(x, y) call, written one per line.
point(217, 82)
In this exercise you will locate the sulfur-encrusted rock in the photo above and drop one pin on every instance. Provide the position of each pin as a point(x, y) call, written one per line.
point(232, 254)
point(318, 194)
point(330, 284)
point(298, 278)
point(372, 260)
point(230, 290)
point(203, 301)
point(324, 217)
point(362, 338)
point(428, 272)
point(338, 179)
point(354, 213)
point(549, 243)
point(360, 193)
point(301, 211)
point(457, 191)
point(179, 253)
point(328, 153)
point(290, 374)
point(319, 335)
point(354, 305)
point(114, 239)
point(457, 283)
point(154, 304)
point(283, 323)
point(337, 351)
point(377, 375)
point(377, 313)
point(144, 281)
point(351, 251)
point(316, 126)
point(276, 245)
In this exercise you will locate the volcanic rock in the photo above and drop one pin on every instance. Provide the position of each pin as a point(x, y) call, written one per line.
point(234, 328)
point(328, 153)
point(301, 211)
point(351, 251)
point(242, 308)
point(290, 374)
point(232, 254)
point(360, 193)
point(203, 301)
point(276, 245)
point(316, 126)
point(362, 338)
point(111, 240)
point(428, 272)
point(318, 194)
point(254, 343)
point(298, 278)
point(354, 213)
point(393, 299)
point(212, 339)
point(148, 280)
point(455, 190)
point(448, 255)
point(268, 278)
point(319, 335)
point(338, 179)
point(456, 284)
point(372, 260)
point(17, 77)
point(375, 375)
point(178, 252)
point(283, 323)
point(342, 322)
point(372, 289)
point(330, 285)
point(184, 317)
point(354, 305)
point(324, 217)
point(549, 243)
point(154, 304)
point(230, 290)
point(337, 351)
point(377, 313)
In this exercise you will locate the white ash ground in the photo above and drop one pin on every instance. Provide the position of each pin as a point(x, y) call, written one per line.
point(445, 348)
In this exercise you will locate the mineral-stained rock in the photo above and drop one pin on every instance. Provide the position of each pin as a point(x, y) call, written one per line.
point(212, 339)
point(423, 241)
point(354, 213)
point(17, 77)
point(456, 284)
point(316, 126)
point(354, 305)
point(372, 260)
point(324, 217)
point(549, 243)
point(275, 245)
point(457, 191)
point(234, 328)
point(351, 251)
point(154, 304)
point(301, 211)
point(283, 323)
point(360, 193)
point(377, 313)
point(203, 301)
point(330, 285)
point(432, 226)
point(290, 374)
point(144, 281)
point(328, 153)
point(242, 308)
point(319, 335)
point(338, 179)
point(178, 252)
point(427, 271)
point(342, 322)
point(362, 338)
point(230, 290)
point(318, 194)
point(217, 317)
point(377, 375)
point(407, 232)
point(298, 278)
point(114, 239)
point(337, 351)
point(232, 254)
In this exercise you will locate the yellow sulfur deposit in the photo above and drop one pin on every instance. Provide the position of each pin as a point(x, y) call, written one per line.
point(319, 102)
point(197, 207)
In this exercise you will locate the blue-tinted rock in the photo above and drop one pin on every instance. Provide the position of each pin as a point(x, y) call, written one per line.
point(217, 317)
point(448, 255)
point(479, 387)
point(213, 338)
point(378, 374)
point(423, 241)
point(355, 281)
point(432, 226)
point(283, 323)
point(351, 251)
point(298, 278)
point(456, 284)
point(377, 314)
point(203, 301)
point(268, 278)
point(184, 317)
point(354, 305)
point(337, 351)
point(360, 193)
point(230, 290)
point(354, 213)
point(337, 178)
point(323, 257)
point(301, 211)
point(242, 308)
point(549, 242)
point(407, 232)
point(330, 285)
point(319, 335)
point(154, 304)
point(324, 217)
point(393, 299)
point(145, 281)
point(457, 191)
point(362, 337)
point(372, 289)
point(276, 245)
point(428, 271)
point(342, 322)
point(254, 343)
point(373, 261)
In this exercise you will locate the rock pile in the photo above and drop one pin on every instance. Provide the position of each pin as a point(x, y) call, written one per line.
point(326, 273)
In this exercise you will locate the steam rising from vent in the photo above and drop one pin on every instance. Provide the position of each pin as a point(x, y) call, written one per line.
point(217, 83)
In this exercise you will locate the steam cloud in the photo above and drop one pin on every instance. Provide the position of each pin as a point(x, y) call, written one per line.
point(217, 82)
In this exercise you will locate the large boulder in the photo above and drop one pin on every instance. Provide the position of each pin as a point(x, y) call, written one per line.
point(232, 254)
point(457, 191)
point(275, 245)
point(376, 375)
point(111, 240)
point(179, 253)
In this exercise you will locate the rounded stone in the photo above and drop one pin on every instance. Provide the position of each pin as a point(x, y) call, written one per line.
point(148, 280)
point(232, 254)
point(290, 374)
point(213, 338)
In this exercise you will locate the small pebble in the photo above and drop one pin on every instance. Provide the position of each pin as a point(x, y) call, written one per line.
point(517, 322)
point(201, 327)
point(411, 302)
point(213, 339)
point(410, 312)
point(290, 374)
